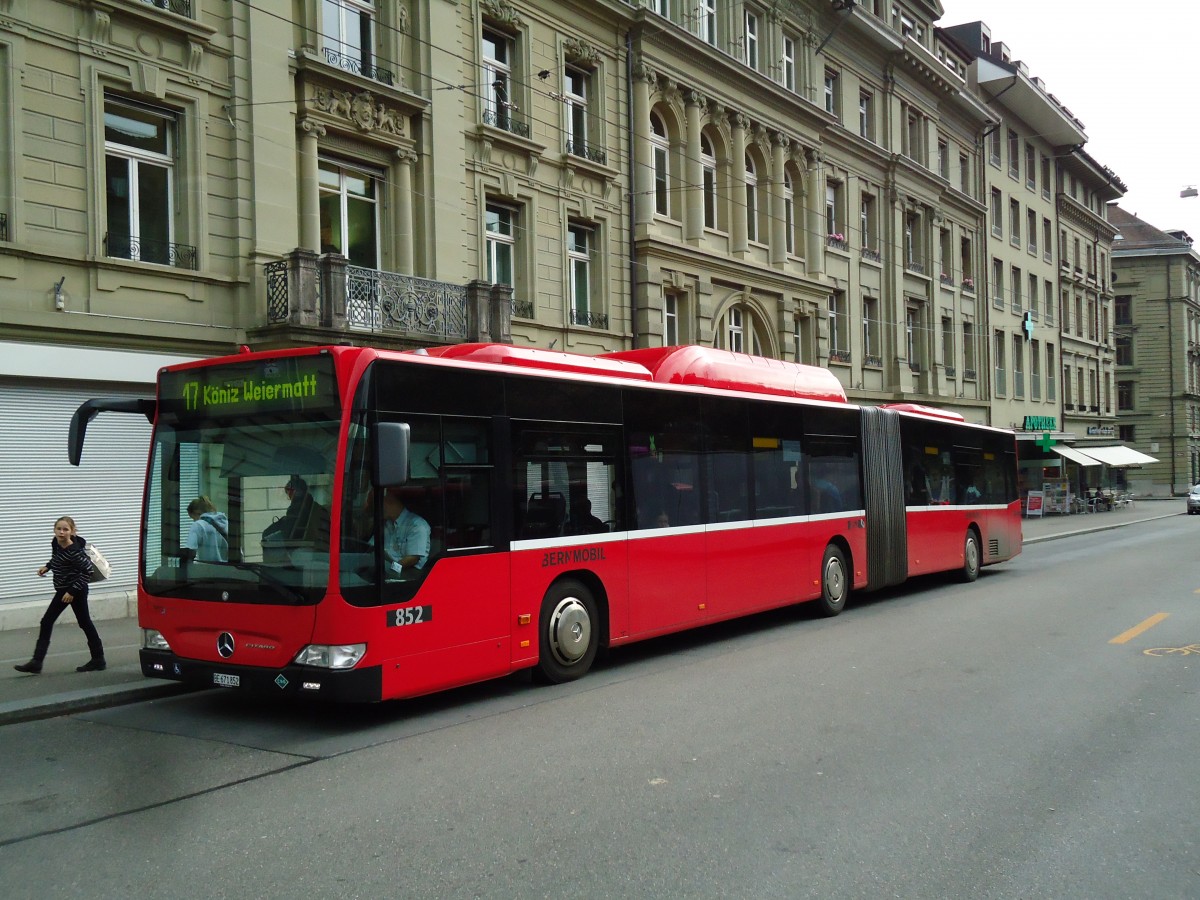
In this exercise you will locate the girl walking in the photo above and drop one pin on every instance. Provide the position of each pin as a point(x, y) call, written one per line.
point(71, 567)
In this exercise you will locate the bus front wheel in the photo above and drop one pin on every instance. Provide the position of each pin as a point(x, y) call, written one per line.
point(568, 630)
point(835, 582)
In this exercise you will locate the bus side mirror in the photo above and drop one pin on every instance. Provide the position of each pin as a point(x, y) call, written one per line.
point(391, 453)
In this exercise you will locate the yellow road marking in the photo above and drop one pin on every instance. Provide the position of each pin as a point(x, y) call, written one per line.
point(1139, 628)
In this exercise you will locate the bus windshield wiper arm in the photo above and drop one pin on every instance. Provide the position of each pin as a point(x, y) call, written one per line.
point(272, 579)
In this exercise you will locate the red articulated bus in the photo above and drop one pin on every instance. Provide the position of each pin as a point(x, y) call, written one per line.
point(355, 524)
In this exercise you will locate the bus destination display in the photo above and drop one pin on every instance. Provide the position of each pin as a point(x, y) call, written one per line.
point(251, 388)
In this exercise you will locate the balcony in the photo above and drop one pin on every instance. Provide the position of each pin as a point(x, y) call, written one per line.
point(358, 67)
point(589, 319)
point(163, 253)
point(307, 291)
point(581, 148)
point(505, 121)
point(179, 7)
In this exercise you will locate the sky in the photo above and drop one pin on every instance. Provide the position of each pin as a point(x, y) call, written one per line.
point(1129, 73)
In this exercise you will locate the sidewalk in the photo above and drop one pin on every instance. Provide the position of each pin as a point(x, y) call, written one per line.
point(60, 689)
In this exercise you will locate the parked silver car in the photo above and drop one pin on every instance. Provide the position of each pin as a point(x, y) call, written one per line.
point(1193, 500)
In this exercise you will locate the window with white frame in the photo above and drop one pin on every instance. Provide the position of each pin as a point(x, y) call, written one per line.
point(831, 91)
point(735, 331)
point(948, 356)
point(839, 349)
point(788, 63)
point(912, 337)
point(708, 167)
point(752, 204)
point(866, 223)
point(1014, 222)
point(500, 226)
point(663, 8)
point(999, 346)
point(751, 38)
point(1050, 367)
point(789, 214)
point(865, 118)
point(497, 79)
point(139, 179)
point(670, 320)
point(1035, 371)
point(349, 211)
point(577, 87)
point(943, 158)
point(662, 165)
point(968, 334)
point(1033, 294)
point(997, 210)
point(581, 241)
point(870, 323)
point(706, 21)
point(1018, 366)
point(347, 29)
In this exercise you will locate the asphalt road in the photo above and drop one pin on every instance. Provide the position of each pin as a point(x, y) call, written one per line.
point(943, 740)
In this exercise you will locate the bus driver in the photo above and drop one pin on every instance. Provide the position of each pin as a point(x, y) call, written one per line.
point(405, 538)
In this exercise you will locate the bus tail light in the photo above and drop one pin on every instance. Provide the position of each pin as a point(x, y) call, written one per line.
point(331, 656)
point(153, 640)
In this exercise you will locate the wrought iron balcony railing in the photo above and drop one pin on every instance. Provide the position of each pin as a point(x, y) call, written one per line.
point(3, 226)
point(179, 7)
point(580, 147)
point(522, 309)
point(873, 361)
point(918, 268)
point(506, 121)
point(358, 67)
point(873, 255)
point(163, 253)
point(589, 319)
point(388, 301)
point(839, 356)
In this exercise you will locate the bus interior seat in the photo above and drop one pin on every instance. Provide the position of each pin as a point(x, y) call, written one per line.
point(545, 514)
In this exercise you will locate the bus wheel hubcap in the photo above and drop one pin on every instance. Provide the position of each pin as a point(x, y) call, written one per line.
point(570, 631)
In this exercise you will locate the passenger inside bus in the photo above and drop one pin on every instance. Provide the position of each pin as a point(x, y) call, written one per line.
point(582, 520)
point(305, 524)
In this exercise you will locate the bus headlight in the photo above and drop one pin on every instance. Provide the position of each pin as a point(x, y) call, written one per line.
point(331, 656)
point(153, 640)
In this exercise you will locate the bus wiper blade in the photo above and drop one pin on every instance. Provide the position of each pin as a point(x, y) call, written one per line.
point(272, 579)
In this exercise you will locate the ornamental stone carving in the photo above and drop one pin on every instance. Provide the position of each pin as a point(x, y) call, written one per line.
point(580, 53)
point(500, 12)
point(362, 109)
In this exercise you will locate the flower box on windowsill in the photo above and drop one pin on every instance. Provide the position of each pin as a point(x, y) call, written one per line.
point(839, 356)
point(836, 240)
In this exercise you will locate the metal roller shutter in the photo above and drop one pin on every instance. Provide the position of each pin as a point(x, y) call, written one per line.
point(37, 485)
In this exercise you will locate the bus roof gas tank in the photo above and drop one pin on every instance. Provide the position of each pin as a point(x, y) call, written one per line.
point(726, 370)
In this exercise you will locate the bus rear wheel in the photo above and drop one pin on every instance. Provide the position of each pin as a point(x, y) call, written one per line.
point(970, 568)
point(835, 582)
point(568, 632)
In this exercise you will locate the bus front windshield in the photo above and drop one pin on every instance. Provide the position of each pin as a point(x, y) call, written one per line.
point(238, 500)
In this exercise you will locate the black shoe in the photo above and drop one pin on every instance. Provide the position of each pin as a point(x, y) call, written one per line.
point(92, 665)
point(33, 667)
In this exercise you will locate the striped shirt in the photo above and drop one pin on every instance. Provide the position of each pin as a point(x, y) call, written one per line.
point(70, 565)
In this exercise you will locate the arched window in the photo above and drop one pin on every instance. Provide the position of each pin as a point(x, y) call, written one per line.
point(789, 214)
point(708, 164)
point(662, 165)
point(751, 200)
point(739, 331)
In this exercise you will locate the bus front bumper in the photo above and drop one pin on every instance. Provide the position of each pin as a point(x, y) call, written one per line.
point(362, 685)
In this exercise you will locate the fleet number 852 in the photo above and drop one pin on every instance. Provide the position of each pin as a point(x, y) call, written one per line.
point(410, 615)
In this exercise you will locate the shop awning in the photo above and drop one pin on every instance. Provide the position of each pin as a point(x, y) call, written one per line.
point(1119, 457)
point(1075, 456)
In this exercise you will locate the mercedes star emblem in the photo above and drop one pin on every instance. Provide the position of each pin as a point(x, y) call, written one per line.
point(225, 644)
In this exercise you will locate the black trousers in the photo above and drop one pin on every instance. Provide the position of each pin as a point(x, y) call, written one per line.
point(80, 606)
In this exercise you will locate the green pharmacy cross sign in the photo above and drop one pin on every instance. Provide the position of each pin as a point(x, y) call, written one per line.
point(1046, 442)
